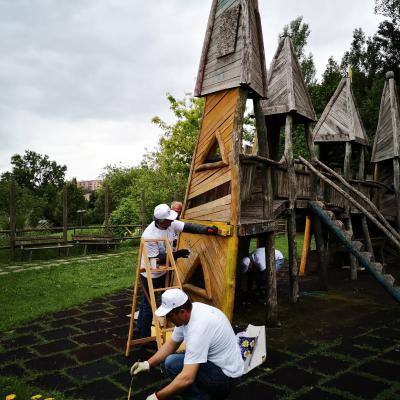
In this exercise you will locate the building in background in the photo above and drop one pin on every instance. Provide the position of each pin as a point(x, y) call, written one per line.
point(89, 186)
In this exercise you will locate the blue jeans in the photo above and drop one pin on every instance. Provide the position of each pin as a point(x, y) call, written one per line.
point(145, 316)
point(210, 380)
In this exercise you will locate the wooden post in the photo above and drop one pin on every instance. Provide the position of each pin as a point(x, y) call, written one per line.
point(142, 210)
point(263, 150)
point(65, 214)
point(106, 211)
point(367, 237)
point(361, 165)
point(13, 219)
point(396, 184)
point(377, 192)
point(347, 162)
point(291, 216)
point(320, 245)
point(272, 293)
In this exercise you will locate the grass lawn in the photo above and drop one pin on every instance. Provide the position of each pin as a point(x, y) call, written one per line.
point(29, 294)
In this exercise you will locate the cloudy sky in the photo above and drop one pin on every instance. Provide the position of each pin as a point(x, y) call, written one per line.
point(80, 80)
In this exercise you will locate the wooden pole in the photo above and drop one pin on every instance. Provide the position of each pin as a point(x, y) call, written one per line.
point(143, 210)
point(65, 214)
point(377, 192)
point(306, 246)
point(347, 162)
point(396, 184)
point(367, 237)
point(291, 215)
point(272, 292)
point(13, 219)
point(361, 164)
point(106, 210)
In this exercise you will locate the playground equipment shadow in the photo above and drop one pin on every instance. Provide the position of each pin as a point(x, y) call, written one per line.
point(341, 344)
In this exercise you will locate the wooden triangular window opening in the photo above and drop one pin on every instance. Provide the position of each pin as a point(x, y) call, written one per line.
point(197, 280)
point(214, 155)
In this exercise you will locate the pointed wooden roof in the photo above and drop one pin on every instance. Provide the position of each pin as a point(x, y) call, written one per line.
point(387, 137)
point(341, 121)
point(287, 91)
point(233, 49)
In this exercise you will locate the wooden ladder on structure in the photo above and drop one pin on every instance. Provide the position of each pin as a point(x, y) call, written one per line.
point(172, 281)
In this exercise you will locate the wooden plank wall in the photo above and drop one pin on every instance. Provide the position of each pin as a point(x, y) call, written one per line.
point(213, 250)
point(218, 117)
point(303, 183)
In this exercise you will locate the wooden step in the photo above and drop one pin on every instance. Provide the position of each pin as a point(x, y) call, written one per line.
point(339, 224)
point(378, 267)
point(389, 279)
point(331, 214)
point(357, 245)
point(367, 255)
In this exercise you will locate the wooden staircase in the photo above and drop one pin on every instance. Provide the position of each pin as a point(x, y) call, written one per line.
point(356, 248)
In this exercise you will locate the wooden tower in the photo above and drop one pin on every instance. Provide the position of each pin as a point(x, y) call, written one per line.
point(288, 103)
point(226, 187)
point(386, 149)
point(341, 123)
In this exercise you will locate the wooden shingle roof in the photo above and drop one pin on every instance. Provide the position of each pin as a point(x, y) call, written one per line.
point(233, 49)
point(387, 137)
point(341, 121)
point(287, 91)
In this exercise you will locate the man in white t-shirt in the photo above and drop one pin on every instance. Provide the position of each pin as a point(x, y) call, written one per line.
point(212, 362)
point(164, 226)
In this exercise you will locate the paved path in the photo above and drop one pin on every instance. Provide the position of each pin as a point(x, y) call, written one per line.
point(80, 353)
point(29, 266)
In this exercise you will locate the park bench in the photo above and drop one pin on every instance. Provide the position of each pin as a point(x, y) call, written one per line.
point(31, 243)
point(95, 240)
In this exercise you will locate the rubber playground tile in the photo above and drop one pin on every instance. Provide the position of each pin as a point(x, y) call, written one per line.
point(72, 312)
point(14, 355)
point(323, 364)
point(99, 390)
point(291, 377)
point(59, 323)
point(276, 358)
point(93, 326)
point(60, 333)
point(348, 349)
point(357, 385)
point(256, 390)
point(302, 348)
point(119, 320)
point(393, 355)
point(384, 370)
point(318, 394)
point(93, 338)
point(53, 382)
point(92, 316)
point(56, 362)
point(91, 353)
point(387, 333)
point(120, 303)
point(372, 342)
point(32, 328)
point(94, 307)
point(55, 347)
point(12, 370)
point(92, 371)
point(142, 381)
point(19, 341)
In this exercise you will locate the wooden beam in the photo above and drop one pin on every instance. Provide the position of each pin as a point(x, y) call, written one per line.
point(272, 293)
point(306, 246)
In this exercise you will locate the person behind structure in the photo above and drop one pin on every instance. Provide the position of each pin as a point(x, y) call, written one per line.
point(164, 226)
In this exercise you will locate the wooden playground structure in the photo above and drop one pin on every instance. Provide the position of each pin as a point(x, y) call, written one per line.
point(245, 192)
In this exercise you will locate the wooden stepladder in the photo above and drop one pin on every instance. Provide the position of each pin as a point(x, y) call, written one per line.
point(172, 281)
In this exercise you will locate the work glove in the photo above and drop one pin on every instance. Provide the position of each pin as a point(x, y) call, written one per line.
point(182, 253)
point(212, 230)
point(152, 397)
point(140, 366)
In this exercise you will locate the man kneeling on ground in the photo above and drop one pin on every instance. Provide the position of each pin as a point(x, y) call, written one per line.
point(211, 364)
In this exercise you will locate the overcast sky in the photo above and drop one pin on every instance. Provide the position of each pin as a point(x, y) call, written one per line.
point(80, 80)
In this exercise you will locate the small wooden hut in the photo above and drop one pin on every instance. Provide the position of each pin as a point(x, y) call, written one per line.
point(386, 149)
point(288, 104)
point(226, 187)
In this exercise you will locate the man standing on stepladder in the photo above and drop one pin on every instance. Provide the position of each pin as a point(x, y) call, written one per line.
point(212, 363)
point(164, 226)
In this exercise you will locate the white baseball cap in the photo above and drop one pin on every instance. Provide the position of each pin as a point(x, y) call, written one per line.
point(162, 211)
point(171, 299)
